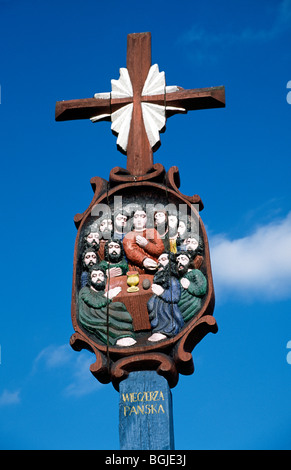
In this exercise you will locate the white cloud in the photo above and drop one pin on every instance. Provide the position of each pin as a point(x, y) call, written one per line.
point(76, 367)
point(54, 356)
point(257, 265)
point(83, 381)
point(9, 398)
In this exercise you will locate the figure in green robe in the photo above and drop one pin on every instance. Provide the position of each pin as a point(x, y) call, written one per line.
point(95, 306)
point(114, 259)
point(194, 287)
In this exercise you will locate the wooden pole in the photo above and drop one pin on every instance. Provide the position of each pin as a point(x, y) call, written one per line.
point(145, 412)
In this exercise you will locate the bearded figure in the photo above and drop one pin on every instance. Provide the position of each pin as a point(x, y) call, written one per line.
point(164, 313)
point(109, 321)
point(89, 258)
point(91, 238)
point(142, 246)
point(194, 286)
point(114, 263)
point(194, 244)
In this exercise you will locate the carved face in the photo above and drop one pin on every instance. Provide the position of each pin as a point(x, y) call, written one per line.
point(191, 243)
point(90, 258)
point(120, 221)
point(183, 263)
point(106, 225)
point(93, 238)
point(181, 228)
point(139, 220)
point(163, 259)
point(160, 218)
point(114, 248)
point(173, 221)
point(97, 276)
point(98, 280)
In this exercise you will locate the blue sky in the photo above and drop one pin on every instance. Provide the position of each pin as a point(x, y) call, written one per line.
point(237, 159)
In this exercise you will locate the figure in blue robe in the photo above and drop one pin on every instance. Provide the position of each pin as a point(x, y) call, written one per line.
point(164, 314)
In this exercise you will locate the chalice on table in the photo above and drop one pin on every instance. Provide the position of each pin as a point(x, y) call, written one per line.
point(132, 281)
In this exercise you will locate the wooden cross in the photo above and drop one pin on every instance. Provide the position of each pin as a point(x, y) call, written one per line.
point(139, 104)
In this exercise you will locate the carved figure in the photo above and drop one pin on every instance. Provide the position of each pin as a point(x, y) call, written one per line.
point(181, 230)
point(138, 107)
point(106, 231)
point(166, 224)
point(194, 286)
point(164, 313)
point(105, 227)
point(173, 231)
point(89, 258)
point(195, 246)
point(142, 246)
point(96, 309)
point(120, 224)
point(114, 259)
point(91, 238)
point(189, 244)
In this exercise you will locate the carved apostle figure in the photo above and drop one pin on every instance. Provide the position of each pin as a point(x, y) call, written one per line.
point(107, 320)
point(142, 245)
point(189, 244)
point(161, 223)
point(195, 246)
point(173, 231)
point(194, 286)
point(89, 258)
point(114, 261)
point(164, 313)
point(91, 238)
point(182, 230)
point(120, 224)
point(105, 226)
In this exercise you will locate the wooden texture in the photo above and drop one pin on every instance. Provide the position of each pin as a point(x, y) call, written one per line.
point(139, 151)
point(190, 100)
point(141, 180)
point(169, 357)
point(135, 302)
point(145, 413)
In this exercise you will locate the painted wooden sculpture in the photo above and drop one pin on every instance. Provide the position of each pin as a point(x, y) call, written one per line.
point(142, 294)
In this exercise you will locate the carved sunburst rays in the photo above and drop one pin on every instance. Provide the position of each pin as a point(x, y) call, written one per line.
point(122, 87)
point(121, 120)
point(154, 115)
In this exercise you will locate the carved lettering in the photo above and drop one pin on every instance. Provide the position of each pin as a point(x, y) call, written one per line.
point(141, 397)
point(152, 395)
point(143, 409)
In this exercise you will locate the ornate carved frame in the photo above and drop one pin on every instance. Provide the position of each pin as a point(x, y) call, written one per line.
point(169, 357)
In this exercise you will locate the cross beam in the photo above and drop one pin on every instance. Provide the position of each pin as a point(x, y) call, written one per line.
point(191, 100)
point(138, 142)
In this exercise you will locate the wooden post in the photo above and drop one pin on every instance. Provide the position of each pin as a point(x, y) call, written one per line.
point(145, 412)
point(155, 327)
